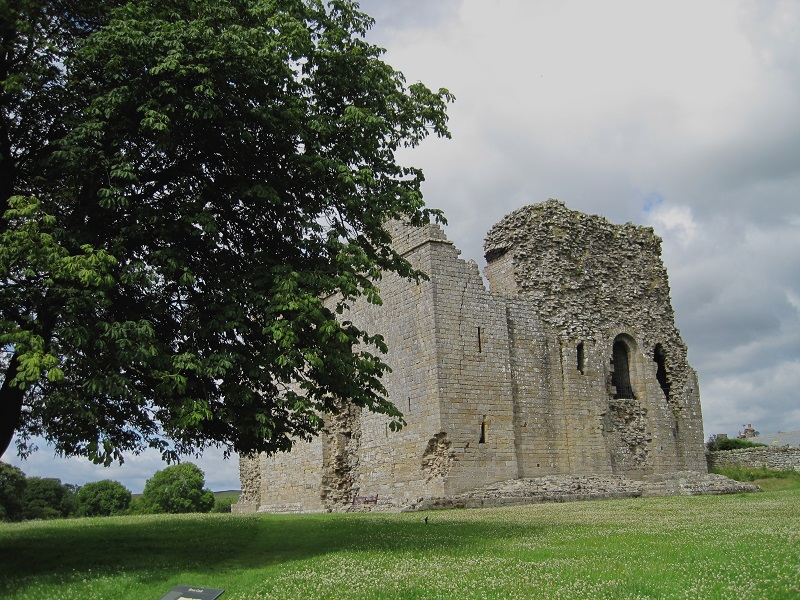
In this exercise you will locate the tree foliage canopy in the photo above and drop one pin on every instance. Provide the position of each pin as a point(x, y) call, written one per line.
point(12, 487)
point(103, 498)
point(715, 443)
point(176, 489)
point(48, 498)
point(182, 183)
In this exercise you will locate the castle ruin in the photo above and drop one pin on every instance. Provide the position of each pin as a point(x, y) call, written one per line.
point(570, 364)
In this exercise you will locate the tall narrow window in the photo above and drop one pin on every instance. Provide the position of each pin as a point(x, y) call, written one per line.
point(480, 348)
point(621, 376)
point(661, 369)
point(581, 357)
point(482, 439)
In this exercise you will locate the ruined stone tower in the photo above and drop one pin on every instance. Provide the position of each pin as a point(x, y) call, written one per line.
point(570, 364)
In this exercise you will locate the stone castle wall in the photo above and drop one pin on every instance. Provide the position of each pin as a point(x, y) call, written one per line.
point(593, 283)
point(779, 458)
point(516, 382)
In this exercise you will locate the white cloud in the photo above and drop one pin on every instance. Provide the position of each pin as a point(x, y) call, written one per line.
point(571, 70)
point(772, 25)
point(674, 223)
point(793, 299)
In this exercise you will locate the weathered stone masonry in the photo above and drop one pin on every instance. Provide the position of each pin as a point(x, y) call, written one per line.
point(782, 458)
point(570, 365)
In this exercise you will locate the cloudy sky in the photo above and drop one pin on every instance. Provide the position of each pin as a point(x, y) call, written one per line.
point(680, 115)
point(683, 115)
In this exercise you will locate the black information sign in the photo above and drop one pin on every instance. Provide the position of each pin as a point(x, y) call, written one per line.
point(192, 592)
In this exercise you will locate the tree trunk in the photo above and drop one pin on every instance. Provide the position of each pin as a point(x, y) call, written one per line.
point(8, 171)
point(10, 405)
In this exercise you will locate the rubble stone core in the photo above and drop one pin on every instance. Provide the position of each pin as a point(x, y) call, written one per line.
point(570, 365)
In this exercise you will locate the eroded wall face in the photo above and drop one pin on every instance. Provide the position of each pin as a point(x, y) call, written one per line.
point(540, 416)
point(592, 283)
point(449, 355)
point(340, 456)
point(402, 467)
point(290, 481)
point(474, 374)
point(250, 482)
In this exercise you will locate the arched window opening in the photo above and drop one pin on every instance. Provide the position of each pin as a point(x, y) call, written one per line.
point(661, 369)
point(482, 439)
point(621, 375)
point(581, 357)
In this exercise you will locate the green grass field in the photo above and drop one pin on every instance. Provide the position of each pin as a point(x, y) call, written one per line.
point(740, 546)
point(232, 495)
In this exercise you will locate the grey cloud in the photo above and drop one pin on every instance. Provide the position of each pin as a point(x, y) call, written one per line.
point(730, 298)
point(767, 398)
point(771, 26)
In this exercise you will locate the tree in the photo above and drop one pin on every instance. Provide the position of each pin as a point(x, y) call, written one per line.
point(47, 498)
point(103, 498)
point(12, 486)
point(223, 505)
point(716, 443)
point(183, 183)
point(176, 489)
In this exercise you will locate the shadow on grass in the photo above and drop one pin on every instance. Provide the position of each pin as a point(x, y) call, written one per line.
point(157, 548)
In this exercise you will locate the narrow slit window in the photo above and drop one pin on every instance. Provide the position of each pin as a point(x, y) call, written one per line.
point(482, 439)
point(581, 357)
point(480, 345)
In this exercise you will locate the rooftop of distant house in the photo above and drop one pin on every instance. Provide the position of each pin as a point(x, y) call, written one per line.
point(782, 438)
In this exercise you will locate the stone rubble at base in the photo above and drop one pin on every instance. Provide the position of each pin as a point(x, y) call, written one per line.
point(571, 488)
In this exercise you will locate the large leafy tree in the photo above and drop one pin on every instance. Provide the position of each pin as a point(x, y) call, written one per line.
point(182, 184)
point(48, 498)
point(176, 489)
point(103, 498)
point(12, 488)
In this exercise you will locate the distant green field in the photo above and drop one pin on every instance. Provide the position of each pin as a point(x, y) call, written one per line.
point(233, 495)
point(740, 546)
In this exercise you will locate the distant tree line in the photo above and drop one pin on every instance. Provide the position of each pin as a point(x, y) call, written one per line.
point(175, 489)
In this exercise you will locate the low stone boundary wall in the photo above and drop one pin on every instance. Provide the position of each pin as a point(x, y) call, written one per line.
point(780, 458)
point(568, 488)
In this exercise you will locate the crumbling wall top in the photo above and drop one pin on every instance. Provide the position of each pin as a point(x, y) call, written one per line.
point(523, 227)
point(584, 273)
